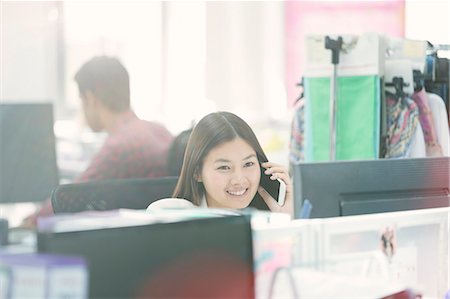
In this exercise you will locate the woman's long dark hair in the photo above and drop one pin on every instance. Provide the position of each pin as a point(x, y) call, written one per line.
point(212, 130)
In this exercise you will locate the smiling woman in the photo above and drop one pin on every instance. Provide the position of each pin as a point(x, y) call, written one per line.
point(230, 175)
point(223, 165)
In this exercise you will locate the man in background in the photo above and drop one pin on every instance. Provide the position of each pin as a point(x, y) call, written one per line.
point(134, 148)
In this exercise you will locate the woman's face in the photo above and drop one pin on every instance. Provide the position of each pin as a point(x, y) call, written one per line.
point(230, 175)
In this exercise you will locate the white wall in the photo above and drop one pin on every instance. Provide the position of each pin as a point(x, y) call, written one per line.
point(29, 54)
point(129, 30)
point(185, 58)
point(245, 58)
point(428, 20)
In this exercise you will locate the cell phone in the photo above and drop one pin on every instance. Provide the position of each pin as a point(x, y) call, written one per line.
point(276, 188)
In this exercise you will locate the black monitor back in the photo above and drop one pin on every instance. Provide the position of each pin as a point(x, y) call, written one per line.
point(203, 258)
point(363, 187)
point(28, 171)
point(135, 193)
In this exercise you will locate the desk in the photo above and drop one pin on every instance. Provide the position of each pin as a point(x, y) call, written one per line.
point(343, 246)
point(296, 282)
point(353, 246)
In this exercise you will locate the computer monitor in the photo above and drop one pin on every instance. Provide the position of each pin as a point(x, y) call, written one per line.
point(363, 187)
point(27, 152)
point(200, 258)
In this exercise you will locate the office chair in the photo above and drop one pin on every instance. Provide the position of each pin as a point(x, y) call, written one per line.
point(111, 194)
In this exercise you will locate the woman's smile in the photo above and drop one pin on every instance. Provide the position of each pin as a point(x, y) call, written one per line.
point(230, 175)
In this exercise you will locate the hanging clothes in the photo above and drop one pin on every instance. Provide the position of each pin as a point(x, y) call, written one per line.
point(439, 112)
point(402, 123)
point(427, 122)
point(413, 146)
point(297, 140)
point(437, 82)
point(417, 147)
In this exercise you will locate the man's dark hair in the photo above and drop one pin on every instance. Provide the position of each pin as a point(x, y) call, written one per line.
point(108, 80)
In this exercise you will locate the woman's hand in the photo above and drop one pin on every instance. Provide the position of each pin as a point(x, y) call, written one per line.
point(278, 172)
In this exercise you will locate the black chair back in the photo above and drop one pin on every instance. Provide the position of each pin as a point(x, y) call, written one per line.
point(111, 194)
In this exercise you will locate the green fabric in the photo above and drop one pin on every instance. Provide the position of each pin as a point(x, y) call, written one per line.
point(357, 118)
